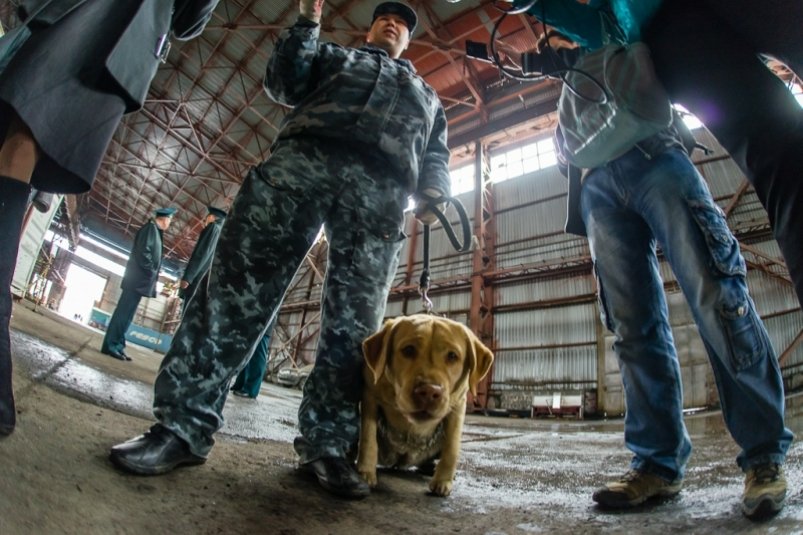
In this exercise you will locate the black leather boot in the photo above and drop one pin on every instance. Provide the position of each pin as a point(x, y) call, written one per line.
point(13, 202)
point(158, 451)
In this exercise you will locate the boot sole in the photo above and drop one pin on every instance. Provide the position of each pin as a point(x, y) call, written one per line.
point(342, 492)
point(149, 470)
point(613, 500)
point(765, 507)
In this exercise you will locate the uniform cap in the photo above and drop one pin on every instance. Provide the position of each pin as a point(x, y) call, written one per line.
point(397, 8)
point(165, 212)
point(217, 212)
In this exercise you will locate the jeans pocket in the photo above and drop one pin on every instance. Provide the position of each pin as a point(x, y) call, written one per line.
point(726, 259)
point(746, 339)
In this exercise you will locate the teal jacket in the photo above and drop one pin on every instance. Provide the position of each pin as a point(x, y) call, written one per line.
point(582, 22)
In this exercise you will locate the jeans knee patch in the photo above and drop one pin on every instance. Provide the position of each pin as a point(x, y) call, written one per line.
point(603, 306)
point(726, 259)
point(746, 341)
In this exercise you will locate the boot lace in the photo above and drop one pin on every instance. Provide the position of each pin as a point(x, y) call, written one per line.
point(766, 473)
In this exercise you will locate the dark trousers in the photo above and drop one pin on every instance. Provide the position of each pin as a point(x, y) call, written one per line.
point(13, 203)
point(121, 319)
point(706, 52)
point(249, 380)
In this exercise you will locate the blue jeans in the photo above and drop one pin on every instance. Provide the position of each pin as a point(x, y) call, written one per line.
point(628, 207)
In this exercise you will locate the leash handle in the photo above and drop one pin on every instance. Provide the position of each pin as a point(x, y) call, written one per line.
point(465, 223)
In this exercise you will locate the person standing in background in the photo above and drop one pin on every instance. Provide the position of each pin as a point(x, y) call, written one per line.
point(139, 280)
point(250, 378)
point(202, 254)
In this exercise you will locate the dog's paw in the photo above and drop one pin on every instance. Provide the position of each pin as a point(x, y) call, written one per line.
point(440, 487)
point(369, 476)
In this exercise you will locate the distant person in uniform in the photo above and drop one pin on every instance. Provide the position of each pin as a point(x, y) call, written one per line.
point(139, 280)
point(249, 380)
point(62, 95)
point(201, 258)
point(365, 132)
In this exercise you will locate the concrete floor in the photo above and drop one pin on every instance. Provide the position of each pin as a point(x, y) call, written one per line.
point(516, 476)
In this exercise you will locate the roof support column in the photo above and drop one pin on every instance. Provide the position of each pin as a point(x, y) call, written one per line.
point(482, 298)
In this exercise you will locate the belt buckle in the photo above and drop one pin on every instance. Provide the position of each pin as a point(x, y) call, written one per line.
point(162, 48)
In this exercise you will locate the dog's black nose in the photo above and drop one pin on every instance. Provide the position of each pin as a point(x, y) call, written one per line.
point(428, 394)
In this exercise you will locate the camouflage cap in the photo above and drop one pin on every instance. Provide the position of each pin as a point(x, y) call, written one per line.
point(397, 8)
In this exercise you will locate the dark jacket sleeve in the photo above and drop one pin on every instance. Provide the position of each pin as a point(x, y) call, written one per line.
point(146, 251)
point(435, 165)
point(191, 16)
point(288, 78)
point(203, 253)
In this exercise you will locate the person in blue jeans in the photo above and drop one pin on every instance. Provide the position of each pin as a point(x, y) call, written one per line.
point(653, 195)
point(629, 206)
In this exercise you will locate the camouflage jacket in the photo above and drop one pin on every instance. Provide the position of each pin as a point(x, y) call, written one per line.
point(363, 97)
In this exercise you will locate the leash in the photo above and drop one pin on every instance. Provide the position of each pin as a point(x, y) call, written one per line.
point(460, 247)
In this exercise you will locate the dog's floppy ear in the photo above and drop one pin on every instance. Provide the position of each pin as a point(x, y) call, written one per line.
point(479, 359)
point(377, 347)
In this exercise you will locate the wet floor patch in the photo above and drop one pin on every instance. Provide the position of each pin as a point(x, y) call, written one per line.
point(540, 472)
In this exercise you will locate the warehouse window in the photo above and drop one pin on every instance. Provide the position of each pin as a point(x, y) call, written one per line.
point(797, 91)
point(462, 179)
point(691, 120)
point(522, 160)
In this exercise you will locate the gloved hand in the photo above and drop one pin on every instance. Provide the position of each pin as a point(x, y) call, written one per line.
point(422, 210)
point(311, 9)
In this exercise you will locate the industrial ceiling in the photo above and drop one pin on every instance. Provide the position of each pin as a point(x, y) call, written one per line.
point(207, 118)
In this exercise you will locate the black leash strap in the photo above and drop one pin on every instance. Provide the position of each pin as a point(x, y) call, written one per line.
point(461, 247)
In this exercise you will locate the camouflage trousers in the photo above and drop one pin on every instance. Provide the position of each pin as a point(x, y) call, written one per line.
point(274, 220)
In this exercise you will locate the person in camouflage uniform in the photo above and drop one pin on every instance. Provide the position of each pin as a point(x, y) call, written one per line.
point(364, 134)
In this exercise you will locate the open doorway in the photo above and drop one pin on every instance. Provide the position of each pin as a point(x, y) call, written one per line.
point(83, 288)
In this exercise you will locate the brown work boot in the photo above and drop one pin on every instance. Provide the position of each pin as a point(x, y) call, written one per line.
point(634, 488)
point(764, 491)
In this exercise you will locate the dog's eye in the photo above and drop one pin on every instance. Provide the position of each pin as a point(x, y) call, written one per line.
point(452, 357)
point(408, 351)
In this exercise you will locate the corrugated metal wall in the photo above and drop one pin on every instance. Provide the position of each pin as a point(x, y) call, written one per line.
point(547, 336)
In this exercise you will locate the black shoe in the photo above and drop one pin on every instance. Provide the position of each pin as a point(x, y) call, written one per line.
point(7, 420)
point(338, 476)
point(125, 356)
point(156, 452)
point(241, 394)
point(115, 354)
point(8, 416)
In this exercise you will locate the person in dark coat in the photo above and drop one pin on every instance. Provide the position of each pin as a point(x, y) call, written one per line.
point(139, 280)
point(100, 57)
point(203, 253)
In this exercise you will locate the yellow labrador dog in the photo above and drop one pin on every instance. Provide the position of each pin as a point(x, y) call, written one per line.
point(418, 372)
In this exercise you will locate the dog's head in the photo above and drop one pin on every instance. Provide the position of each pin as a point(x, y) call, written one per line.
point(430, 362)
